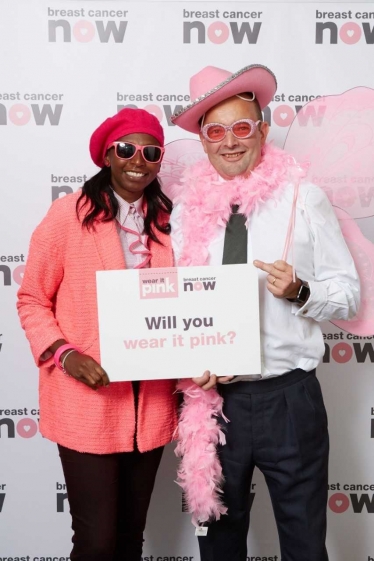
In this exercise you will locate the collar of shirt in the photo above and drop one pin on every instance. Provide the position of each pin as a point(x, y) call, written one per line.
point(124, 208)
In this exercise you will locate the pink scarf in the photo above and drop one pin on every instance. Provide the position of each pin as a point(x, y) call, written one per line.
point(206, 204)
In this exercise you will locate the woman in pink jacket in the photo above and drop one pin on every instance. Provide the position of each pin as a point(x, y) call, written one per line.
point(110, 436)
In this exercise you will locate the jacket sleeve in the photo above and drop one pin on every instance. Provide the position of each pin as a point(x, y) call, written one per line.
point(335, 288)
point(43, 274)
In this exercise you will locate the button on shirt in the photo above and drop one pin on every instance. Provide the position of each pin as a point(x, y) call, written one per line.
point(291, 336)
point(134, 242)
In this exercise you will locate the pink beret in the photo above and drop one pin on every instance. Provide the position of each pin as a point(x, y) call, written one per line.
point(127, 121)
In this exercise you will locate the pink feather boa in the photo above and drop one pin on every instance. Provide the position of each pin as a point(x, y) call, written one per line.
point(207, 203)
point(200, 472)
point(207, 200)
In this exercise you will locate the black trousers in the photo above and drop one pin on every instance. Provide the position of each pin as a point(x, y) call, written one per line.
point(109, 497)
point(280, 426)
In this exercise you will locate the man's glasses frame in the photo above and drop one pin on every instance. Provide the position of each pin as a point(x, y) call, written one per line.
point(225, 128)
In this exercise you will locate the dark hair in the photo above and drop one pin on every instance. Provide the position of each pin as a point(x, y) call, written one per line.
point(98, 196)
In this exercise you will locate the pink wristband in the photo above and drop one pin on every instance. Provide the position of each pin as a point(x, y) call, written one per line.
point(60, 351)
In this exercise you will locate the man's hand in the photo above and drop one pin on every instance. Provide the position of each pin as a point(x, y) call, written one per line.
point(86, 370)
point(279, 280)
point(208, 380)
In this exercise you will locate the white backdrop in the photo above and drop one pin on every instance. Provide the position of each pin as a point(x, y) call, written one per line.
point(66, 66)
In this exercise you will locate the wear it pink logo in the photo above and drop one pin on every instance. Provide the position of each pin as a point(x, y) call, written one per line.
point(162, 283)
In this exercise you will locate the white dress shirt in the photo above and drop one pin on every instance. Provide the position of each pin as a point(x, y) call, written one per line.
point(290, 335)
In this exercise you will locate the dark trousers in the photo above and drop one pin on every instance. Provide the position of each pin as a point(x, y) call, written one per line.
point(109, 497)
point(280, 426)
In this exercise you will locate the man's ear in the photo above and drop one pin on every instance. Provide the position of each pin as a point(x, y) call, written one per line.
point(203, 142)
point(264, 131)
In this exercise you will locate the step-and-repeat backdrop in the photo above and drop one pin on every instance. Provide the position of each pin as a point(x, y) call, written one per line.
point(66, 66)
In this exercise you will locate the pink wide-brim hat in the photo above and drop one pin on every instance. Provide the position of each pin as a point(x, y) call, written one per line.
point(212, 85)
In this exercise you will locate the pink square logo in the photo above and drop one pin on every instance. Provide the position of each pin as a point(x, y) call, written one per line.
point(158, 283)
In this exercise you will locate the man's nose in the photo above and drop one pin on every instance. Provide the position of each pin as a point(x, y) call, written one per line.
point(230, 140)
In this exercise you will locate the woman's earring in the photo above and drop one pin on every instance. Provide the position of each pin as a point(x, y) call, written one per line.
point(107, 163)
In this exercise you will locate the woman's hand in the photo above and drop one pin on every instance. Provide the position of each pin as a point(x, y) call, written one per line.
point(85, 369)
point(208, 380)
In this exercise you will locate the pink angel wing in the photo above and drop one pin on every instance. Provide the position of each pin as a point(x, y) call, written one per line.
point(362, 251)
point(179, 155)
point(335, 136)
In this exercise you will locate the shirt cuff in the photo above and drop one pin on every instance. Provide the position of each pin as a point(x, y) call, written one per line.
point(315, 304)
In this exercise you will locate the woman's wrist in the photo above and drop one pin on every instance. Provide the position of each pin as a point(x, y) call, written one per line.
point(56, 345)
point(62, 352)
point(64, 357)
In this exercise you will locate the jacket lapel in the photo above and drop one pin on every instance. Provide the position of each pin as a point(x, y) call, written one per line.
point(109, 246)
point(161, 255)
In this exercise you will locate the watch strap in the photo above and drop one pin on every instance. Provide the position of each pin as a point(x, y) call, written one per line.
point(302, 295)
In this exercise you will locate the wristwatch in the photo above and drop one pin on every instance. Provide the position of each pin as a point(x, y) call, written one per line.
point(302, 295)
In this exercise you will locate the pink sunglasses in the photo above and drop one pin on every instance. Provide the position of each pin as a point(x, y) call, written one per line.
point(127, 150)
point(215, 132)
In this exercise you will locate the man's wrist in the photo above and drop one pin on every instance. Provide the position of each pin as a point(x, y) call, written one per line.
point(296, 287)
point(302, 295)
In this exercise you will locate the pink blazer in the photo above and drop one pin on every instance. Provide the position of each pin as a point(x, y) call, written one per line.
point(57, 300)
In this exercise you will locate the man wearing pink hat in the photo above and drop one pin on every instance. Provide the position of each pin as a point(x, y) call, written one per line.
point(249, 202)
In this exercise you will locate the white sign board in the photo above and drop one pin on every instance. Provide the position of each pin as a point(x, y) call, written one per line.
point(179, 322)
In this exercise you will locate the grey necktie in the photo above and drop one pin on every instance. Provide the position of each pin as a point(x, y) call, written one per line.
point(236, 239)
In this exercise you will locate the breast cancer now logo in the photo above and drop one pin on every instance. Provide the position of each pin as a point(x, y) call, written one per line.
point(199, 284)
point(83, 30)
point(20, 114)
point(158, 284)
point(341, 502)
point(284, 114)
point(61, 497)
point(9, 275)
point(219, 32)
point(348, 32)
point(64, 187)
point(162, 113)
point(26, 427)
point(344, 352)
